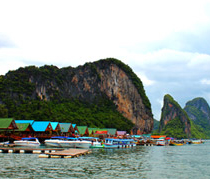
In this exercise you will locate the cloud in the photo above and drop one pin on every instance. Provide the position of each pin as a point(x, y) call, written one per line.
point(5, 41)
point(164, 42)
point(177, 73)
point(146, 81)
point(205, 82)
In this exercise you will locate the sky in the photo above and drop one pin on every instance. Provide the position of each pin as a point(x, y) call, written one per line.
point(166, 43)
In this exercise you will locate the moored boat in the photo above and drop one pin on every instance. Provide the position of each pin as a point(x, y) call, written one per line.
point(83, 142)
point(55, 141)
point(175, 143)
point(28, 141)
point(160, 142)
point(96, 143)
point(119, 143)
point(70, 142)
point(196, 142)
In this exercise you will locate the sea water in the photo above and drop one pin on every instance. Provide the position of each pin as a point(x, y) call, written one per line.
point(187, 161)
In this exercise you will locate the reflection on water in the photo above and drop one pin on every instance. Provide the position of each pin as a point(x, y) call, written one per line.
point(188, 161)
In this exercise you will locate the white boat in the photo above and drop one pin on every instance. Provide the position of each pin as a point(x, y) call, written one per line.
point(96, 143)
point(70, 142)
point(83, 142)
point(55, 141)
point(160, 142)
point(29, 141)
point(119, 143)
point(4, 143)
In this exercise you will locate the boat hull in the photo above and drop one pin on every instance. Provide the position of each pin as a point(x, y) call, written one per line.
point(29, 144)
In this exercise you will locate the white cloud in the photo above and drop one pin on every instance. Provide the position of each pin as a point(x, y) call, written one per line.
point(164, 42)
point(205, 82)
point(146, 81)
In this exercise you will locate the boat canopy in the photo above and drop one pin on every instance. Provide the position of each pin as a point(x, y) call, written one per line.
point(28, 138)
point(58, 137)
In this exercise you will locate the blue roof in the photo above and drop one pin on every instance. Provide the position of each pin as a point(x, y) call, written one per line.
point(73, 125)
point(24, 121)
point(54, 125)
point(40, 126)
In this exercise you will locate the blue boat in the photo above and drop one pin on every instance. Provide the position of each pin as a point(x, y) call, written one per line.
point(119, 143)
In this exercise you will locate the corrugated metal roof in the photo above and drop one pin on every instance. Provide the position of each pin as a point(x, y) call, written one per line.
point(121, 132)
point(23, 126)
point(65, 127)
point(82, 129)
point(5, 122)
point(92, 130)
point(111, 131)
point(24, 121)
point(54, 125)
point(40, 126)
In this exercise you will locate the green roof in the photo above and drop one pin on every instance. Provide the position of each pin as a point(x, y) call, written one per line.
point(93, 130)
point(111, 131)
point(82, 129)
point(5, 122)
point(22, 126)
point(65, 127)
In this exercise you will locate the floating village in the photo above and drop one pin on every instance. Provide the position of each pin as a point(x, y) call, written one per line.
point(66, 140)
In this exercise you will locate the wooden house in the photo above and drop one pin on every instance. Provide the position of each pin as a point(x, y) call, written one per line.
point(56, 129)
point(66, 129)
point(24, 121)
point(121, 134)
point(92, 131)
point(7, 127)
point(24, 130)
point(42, 129)
point(111, 132)
point(83, 130)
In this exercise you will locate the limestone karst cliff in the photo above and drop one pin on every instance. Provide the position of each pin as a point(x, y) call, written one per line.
point(174, 120)
point(198, 111)
point(109, 78)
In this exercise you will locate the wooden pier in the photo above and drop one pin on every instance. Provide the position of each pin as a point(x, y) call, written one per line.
point(47, 152)
point(68, 153)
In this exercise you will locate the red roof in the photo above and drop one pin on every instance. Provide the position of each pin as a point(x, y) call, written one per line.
point(101, 132)
point(157, 136)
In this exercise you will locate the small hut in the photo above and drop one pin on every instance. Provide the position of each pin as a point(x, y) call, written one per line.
point(7, 127)
point(42, 129)
point(66, 129)
point(56, 129)
point(83, 130)
point(24, 130)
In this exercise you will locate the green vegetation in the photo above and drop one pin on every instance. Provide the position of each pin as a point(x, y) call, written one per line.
point(72, 111)
point(200, 118)
point(174, 128)
point(197, 131)
point(20, 100)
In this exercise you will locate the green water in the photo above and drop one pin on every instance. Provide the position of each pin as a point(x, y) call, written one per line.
point(188, 161)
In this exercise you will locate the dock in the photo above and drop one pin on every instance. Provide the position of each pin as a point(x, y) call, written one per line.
point(68, 153)
point(47, 152)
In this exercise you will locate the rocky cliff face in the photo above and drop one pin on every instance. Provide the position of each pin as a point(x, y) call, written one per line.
point(108, 78)
point(198, 110)
point(172, 111)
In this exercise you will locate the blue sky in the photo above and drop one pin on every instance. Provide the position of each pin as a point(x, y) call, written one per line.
point(166, 43)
